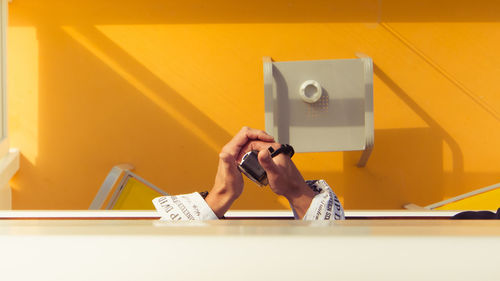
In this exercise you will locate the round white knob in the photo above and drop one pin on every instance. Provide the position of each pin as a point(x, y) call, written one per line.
point(310, 91)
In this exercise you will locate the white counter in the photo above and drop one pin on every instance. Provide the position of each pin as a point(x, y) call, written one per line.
point(235, 214)
point(147, 249)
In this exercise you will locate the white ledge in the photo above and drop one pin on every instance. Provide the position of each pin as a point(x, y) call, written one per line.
point(276, 214)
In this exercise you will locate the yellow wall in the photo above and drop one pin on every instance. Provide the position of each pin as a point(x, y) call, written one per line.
point(164, 84)
point(484, 201)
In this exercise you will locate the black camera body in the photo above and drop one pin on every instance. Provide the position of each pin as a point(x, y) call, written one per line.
point(251, 167)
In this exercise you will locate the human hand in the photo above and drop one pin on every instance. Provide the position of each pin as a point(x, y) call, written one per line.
point(286, 180)
point(228, 184)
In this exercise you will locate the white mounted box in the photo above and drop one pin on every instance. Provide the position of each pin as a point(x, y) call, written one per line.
point(322, 105)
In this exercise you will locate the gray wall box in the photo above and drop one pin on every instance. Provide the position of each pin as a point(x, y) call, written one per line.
point(322, 105)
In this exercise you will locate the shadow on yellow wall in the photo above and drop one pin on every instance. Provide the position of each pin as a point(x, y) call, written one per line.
point(164, 84)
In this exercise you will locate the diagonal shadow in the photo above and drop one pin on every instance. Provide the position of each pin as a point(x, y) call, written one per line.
point(485, 106)
point(458, 161)
point(406, 165)
point(151, 86)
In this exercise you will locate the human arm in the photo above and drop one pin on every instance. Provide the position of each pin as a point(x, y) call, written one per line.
point(228, 184)
point(286, 180)
point(310, 200)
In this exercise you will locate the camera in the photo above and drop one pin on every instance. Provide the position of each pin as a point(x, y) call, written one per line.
point(250, 166)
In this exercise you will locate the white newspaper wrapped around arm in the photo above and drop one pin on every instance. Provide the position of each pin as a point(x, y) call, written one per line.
point(325, 205)
point(183, 207)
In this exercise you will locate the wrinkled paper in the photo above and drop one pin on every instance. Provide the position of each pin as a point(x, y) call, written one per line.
point(183, 207)
point(324, 206)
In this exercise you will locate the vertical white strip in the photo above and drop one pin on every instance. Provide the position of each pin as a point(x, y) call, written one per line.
point(269, 110)
point(3, 45)
point(4, 144)
point(9, 160)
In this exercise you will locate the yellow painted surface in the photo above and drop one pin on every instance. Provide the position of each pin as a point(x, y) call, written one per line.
point(485, 201)
point(136, 196)
point(163, 85)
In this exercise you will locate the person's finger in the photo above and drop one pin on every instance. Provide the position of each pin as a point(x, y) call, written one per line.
point(260, 145)
point(243, 136)
point(227, 162)
point(247, 133)
point(256, 145)
point(266, 161)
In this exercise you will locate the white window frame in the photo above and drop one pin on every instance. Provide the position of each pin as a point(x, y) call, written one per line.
point(9, 157)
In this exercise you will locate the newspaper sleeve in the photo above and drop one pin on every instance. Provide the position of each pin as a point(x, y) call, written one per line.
point(325, 205)
point(183, 207)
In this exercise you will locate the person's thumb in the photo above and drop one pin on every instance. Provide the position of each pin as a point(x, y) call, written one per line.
point(266, 161)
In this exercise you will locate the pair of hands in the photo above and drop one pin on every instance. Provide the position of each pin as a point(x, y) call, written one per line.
point(284, 178)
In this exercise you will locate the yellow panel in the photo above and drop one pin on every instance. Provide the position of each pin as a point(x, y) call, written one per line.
point(485, 201)
point(136, 196)
point(165, 84)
